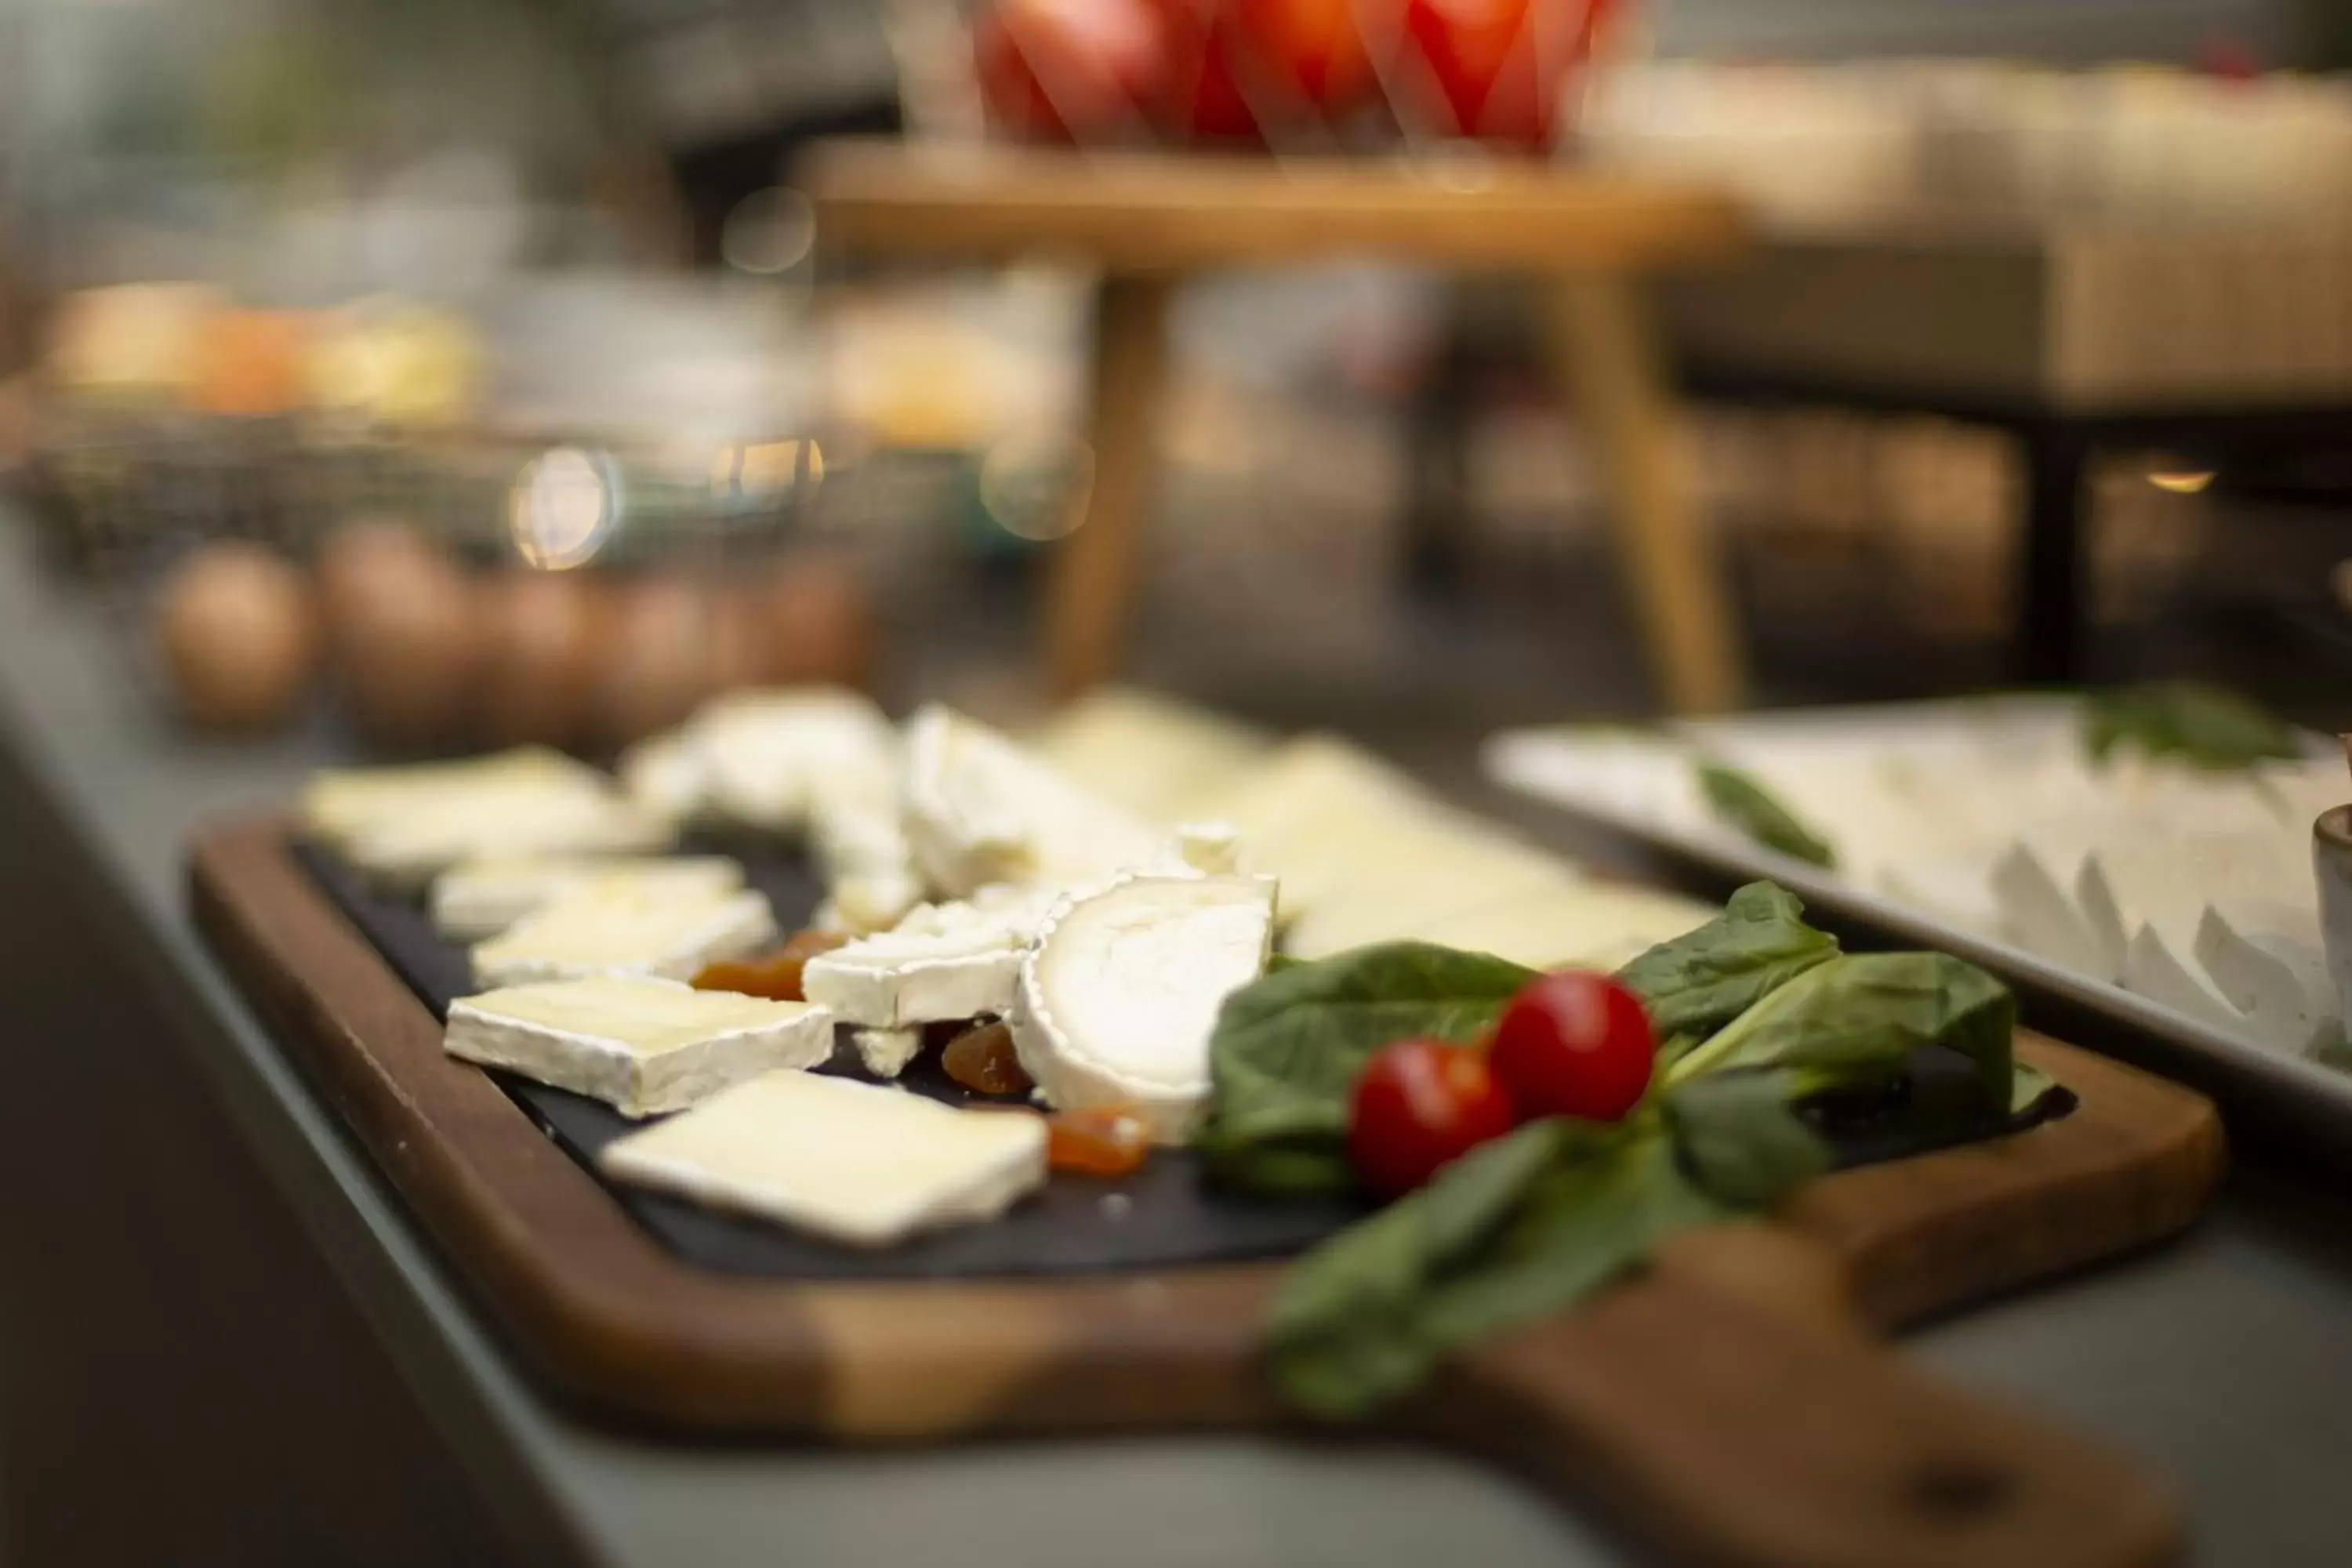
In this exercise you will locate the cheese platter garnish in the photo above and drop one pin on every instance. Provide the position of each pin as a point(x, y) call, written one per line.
point(1125, 1071)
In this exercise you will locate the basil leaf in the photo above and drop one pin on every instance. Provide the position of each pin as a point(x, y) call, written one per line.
point(1516, 1229)
point(2203, 726)
point(1703, 978)
point(1289, 1045)
point(1858, 1018)
point(1738, 799)
point(1741, 1138)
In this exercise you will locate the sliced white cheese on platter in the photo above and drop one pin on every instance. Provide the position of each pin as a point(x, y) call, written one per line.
point(482, 898)
point(1590, 926)
point(2033, 888)
point(668, 776)
point(943, 962)
point(887, 1052)
point(410, 853)
point(2132, 879)
point(2265, 956)
point(2158, 965)
point(980, 810)
point(769, 751)
point(641, 1046)
point(1119, 997)
point(625, 930)
point(339, 803)
point(854, 1163)
point(1158, 758)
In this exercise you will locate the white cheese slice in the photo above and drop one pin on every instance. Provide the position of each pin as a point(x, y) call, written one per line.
point(980, 810)
point(625, 930)
point(2168, 877)
point(1589, 926)
point(1156, 757)
point(409, 851)
point(2033, 888)
point(482, 898)
point(2265, 955)
point(339, 803)
point(856, 1163)
point(943, 962)
point(1116, 1001)
point(642, 1045)
point(2158, 965)
point(887, 1052)
point(668, 776)
point(768, 751)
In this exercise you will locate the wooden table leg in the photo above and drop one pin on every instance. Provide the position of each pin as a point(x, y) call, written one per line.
point(1602, 341)
point(1093, 591)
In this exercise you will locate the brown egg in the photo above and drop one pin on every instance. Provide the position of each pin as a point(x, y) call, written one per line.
point(545, 647)
point(238, 634)
point(818, 622)
point(739, 638)
point(406, 639)
point(659, 667)
point(358, 551)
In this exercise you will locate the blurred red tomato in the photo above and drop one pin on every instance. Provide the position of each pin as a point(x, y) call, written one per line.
point(1493, 70)
point(1313, 49)
point(1201, 98)
point(1069, 70)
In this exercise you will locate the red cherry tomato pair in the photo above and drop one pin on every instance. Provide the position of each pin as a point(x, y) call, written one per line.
point(1571, 1044)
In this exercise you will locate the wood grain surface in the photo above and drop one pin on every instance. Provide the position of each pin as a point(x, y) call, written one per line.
point(1731, 1404)
point(1147, 213)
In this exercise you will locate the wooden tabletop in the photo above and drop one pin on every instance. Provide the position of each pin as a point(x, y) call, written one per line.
point(1150, 212)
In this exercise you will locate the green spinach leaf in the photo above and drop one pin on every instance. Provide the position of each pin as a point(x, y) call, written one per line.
point(2203, 726)
point(1288, 1045)
point(1858, 1018)
point(1741, 1138)
point(1746, 805)
point(1700, 981)
point(1518, 1228)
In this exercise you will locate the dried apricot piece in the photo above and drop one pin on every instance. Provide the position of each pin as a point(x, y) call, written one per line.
point(981, 1059)
point(1101, 1141)
point(775, 976)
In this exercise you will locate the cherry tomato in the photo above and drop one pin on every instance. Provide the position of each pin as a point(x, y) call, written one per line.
point(1312, 50)
point(1069, 70)
point(1492, 69)
point(1574, 1044)
point(1418, 1104)
point(1200, 96)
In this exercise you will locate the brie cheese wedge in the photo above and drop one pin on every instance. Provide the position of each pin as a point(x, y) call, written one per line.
point(409, 851)
point(768, 751)
point(2266, 957)
point(1156, 758)
point(1592, 926)
point(625, 930)
point(1116, 1001)
point(482, 898)
point(887, 1052)
point(854, 1163)
point(668, 776)
point(641, 1046)
point(942, 961)
point(339, 804)
point(980, 810)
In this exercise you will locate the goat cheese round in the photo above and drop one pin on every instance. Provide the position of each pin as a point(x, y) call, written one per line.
point(1118, 998)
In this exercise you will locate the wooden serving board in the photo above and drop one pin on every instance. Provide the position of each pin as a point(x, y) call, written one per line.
point(1733, 1403)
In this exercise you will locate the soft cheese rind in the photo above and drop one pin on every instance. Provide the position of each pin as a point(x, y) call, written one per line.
point(980, 810)
point(642, 1045)
point(853, 1161)
point(625, 932)
point(1117, 1000)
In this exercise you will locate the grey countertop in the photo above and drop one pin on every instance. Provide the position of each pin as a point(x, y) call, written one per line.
point(2223, 1362)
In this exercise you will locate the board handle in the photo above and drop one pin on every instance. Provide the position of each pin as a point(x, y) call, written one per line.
point(1726, 1431)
